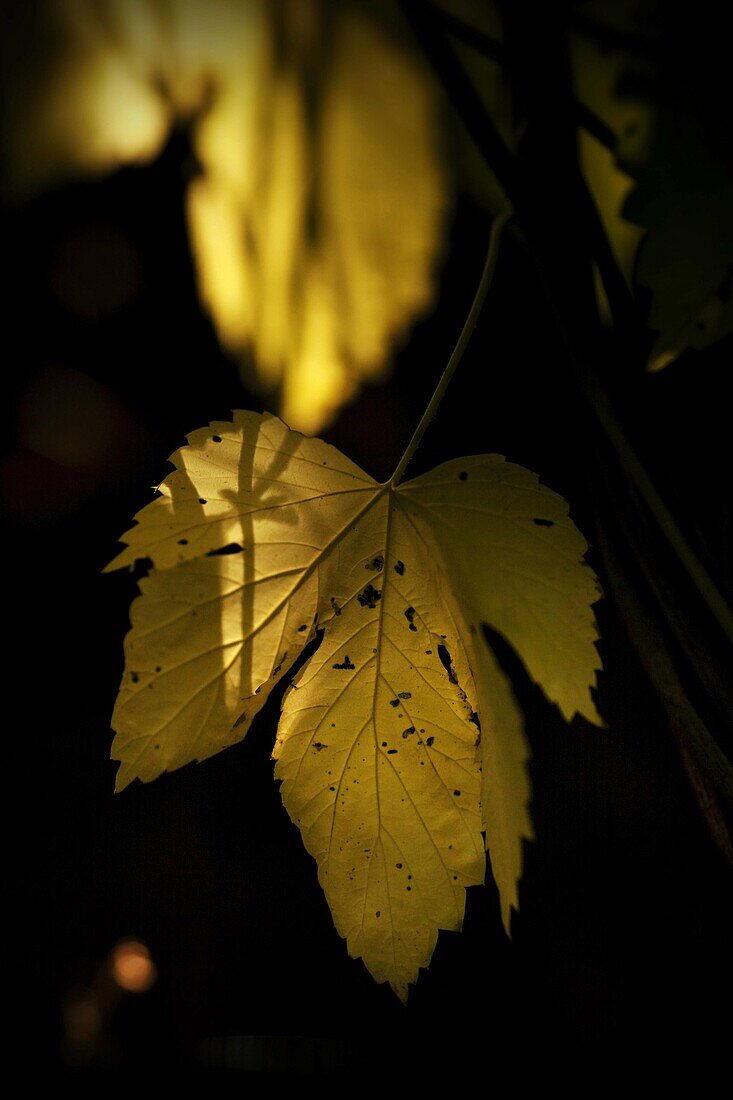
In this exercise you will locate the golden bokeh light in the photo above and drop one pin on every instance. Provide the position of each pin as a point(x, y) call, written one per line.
point(132, 968)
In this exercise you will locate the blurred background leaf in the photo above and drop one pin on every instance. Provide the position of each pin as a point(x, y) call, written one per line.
point(317, 206)
point(659, 78)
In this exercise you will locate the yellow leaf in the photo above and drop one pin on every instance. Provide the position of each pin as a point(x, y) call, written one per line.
point(516, 563)
point(377, 744)
point(377, 752)
point(317, 218)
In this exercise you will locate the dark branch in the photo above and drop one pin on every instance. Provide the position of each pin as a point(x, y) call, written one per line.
point(494, 50)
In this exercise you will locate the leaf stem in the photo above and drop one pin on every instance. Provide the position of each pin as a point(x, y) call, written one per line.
point(466, 333)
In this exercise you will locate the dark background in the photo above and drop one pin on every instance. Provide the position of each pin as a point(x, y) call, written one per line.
point(622, 948)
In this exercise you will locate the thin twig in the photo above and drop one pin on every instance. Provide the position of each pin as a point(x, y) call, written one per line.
point(464, 97)
point(494, 50)
point(614, 38)
point(499, 157)
point(478, 40)
point(659, 666)
point(466, 333)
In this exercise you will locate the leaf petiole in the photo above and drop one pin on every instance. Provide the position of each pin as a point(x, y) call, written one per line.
point(466, 333)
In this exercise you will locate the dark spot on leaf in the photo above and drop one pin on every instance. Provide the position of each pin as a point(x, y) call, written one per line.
point(318, 745)
point(302, 629)
point(404, 694)
point(345, 664)
point(332, 788)
point(456, 793)
point(216, 439)
point(370, 597)
point(394, 702)
point(463, 476)
point(391, 752)
point(230, 548)
point(455, 878)
point(134, 677)
point(378, 913)
point(409, 876)
point(399, 568)
point(406, 733)
point(156, 746)
point(429, 652)
point(202, 500)
point(335, 606)
point(544, 522)
point(398, 866)
point(429, 740)
point(158, 668)
point(375, 564)
point(183, 542)
point(408, 888)
point(384, 744)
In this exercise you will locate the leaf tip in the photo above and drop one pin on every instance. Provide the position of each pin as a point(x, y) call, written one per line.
point(116, 563)
point(123, 778)
point(507, 912)
point(656, 363)
point(401, 990)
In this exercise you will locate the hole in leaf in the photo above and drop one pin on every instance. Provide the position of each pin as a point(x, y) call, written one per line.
point(447, 663)
point(346, 663)
point(230, 548)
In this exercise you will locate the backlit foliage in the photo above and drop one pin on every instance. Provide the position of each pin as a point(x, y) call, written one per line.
point(317, 216)
point(400, 740)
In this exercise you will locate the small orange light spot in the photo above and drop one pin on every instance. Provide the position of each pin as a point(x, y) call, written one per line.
point(132, 967)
